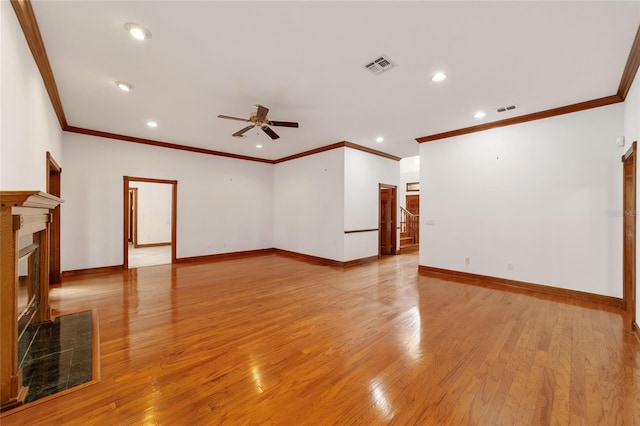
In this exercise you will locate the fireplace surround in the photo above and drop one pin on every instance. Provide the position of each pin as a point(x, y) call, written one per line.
point(24, 247)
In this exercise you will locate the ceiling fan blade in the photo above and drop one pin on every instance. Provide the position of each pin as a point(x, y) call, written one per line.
point(261, 115)
point(246, 129)
point(233, 118)
point(283, 123)
point(271, 133)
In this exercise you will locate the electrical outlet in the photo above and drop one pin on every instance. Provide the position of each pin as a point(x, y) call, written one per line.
point(467, 260)
point(509, 266)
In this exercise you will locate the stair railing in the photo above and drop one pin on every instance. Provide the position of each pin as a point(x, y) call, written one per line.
point(410, 225)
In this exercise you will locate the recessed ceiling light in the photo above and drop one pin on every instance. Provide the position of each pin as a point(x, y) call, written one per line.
point(258, 146)
point(138, 32)
point(152, 124)
point(379, 139)
point(124, 86)
point(479, 114)
point(439, 76)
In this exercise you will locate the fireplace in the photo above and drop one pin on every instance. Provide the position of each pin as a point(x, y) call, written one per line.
point(24, 250)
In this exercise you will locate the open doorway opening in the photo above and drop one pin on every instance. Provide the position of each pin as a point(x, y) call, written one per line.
point(410, 224)
point(409, 200)
point(149, 221)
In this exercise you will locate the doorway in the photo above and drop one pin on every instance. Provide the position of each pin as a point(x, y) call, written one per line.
point(153, 204)
point(629, 234)
point(54, 172)
point(387, 222)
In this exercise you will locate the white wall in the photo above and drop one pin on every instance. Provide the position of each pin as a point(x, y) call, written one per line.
point(224, 205)
point(309, 205)
point(363, 172)
point(537, 195)
point(28, 124)
point(154, 212)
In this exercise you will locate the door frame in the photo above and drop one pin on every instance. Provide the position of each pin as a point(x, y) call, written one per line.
point(394, 217)
point(54, 187)
point(629, 165)
point(174, 212)
point(133, 217)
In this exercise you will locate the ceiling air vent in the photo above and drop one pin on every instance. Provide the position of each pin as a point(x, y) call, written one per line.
point(508, 108)
point(380, 65)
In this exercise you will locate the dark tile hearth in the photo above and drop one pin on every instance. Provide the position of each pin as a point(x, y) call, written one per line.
point(60, 355)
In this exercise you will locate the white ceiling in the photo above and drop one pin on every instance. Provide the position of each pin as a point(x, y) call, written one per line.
point(305, 61)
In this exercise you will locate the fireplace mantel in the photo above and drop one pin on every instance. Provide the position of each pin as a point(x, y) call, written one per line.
point(24, 271)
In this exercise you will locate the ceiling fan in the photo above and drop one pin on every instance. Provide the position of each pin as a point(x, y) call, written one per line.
point(259, 119)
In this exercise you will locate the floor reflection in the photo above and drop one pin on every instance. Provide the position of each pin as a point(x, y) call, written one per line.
point(379, 397)
point(412, 334)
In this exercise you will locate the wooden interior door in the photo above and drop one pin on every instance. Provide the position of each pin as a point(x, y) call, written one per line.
point(413, 204)
point(629, 234)
point(387, 226)
point(54, 172)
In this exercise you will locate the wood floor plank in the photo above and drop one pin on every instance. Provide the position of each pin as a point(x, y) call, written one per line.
point(278, 340)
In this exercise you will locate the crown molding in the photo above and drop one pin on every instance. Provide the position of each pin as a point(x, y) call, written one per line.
point(343, 144)
point(594, 103)
point(161, 144)
point(628, 75)
point(27, 19)
point(371, 151)
point(631, 68)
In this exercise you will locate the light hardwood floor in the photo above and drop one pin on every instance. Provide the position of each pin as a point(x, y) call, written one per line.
point(149, 256)
point(275, 340)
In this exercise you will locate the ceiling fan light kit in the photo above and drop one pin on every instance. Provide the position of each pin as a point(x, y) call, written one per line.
point(259, 119)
